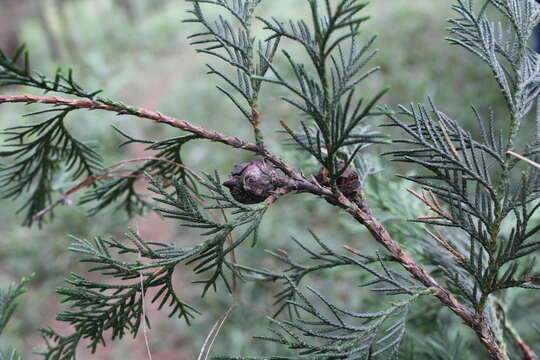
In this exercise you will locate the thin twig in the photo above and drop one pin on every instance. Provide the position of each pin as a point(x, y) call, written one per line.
point(433, 204)
point(157, 117)
point(448, 140)
point(445, 244)
point(64, 198)
point(277, 194)
point(526, 351)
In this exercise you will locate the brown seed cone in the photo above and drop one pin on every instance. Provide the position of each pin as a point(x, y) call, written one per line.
point(252, 182)
point(348, 183)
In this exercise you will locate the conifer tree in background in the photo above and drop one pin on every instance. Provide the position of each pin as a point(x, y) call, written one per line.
point(481, 193)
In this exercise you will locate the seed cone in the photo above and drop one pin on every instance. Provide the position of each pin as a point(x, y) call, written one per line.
point(348, 183)
point(252, 182)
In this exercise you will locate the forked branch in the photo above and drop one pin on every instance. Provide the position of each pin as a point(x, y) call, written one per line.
point(356, 207)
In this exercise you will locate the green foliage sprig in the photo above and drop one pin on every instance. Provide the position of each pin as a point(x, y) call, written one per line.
point(97, 307)
point(342, 334)
point(297, 270)
point(7, 300)
point(40, 152)
point(327, 95)
point(101, 306)
point(210, 255)
point(238, 47)
point(480, 233)
point(11, 73)
point(472, 178)
point(8, 305)
point(122, 192)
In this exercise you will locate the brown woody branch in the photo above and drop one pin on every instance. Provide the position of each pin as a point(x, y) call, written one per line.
point(360, 210)
point(139, 112)
point(358, 207)
point(157, 117)
point(526, 351)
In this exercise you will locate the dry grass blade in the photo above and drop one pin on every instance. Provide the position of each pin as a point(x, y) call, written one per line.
point(212, 335)
point(521, 157)
point(144, 323)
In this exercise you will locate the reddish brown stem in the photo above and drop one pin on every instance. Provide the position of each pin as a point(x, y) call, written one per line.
point(157, 117)
point(64, 198)
point(525, 349)
point(361, 212)
point(526, 352)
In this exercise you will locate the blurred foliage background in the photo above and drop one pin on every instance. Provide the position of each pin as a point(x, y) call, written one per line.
point(138, 52)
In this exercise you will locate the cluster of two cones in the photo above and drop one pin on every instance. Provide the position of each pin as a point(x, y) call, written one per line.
point(254, 181)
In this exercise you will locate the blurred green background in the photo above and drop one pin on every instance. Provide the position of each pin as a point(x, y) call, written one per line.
point(138, 52)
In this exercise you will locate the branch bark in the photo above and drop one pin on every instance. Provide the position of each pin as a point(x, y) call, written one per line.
point(361, 211)
point(157, 117)
point(358, 208)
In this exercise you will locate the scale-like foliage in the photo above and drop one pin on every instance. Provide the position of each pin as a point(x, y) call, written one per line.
point(297, 270)
point(458, 168)
point(39, 153)
point(235, 44)
point(11, 73)
point(438, 346)
point(323, 330)
point(7, 301)
point(166, 161)
point(480, 233)
point(325, 91)
point(494, 42)
point(468, 182)
point(99, 306)
point(8, 305)
point(318, 329)
point(193, 211)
